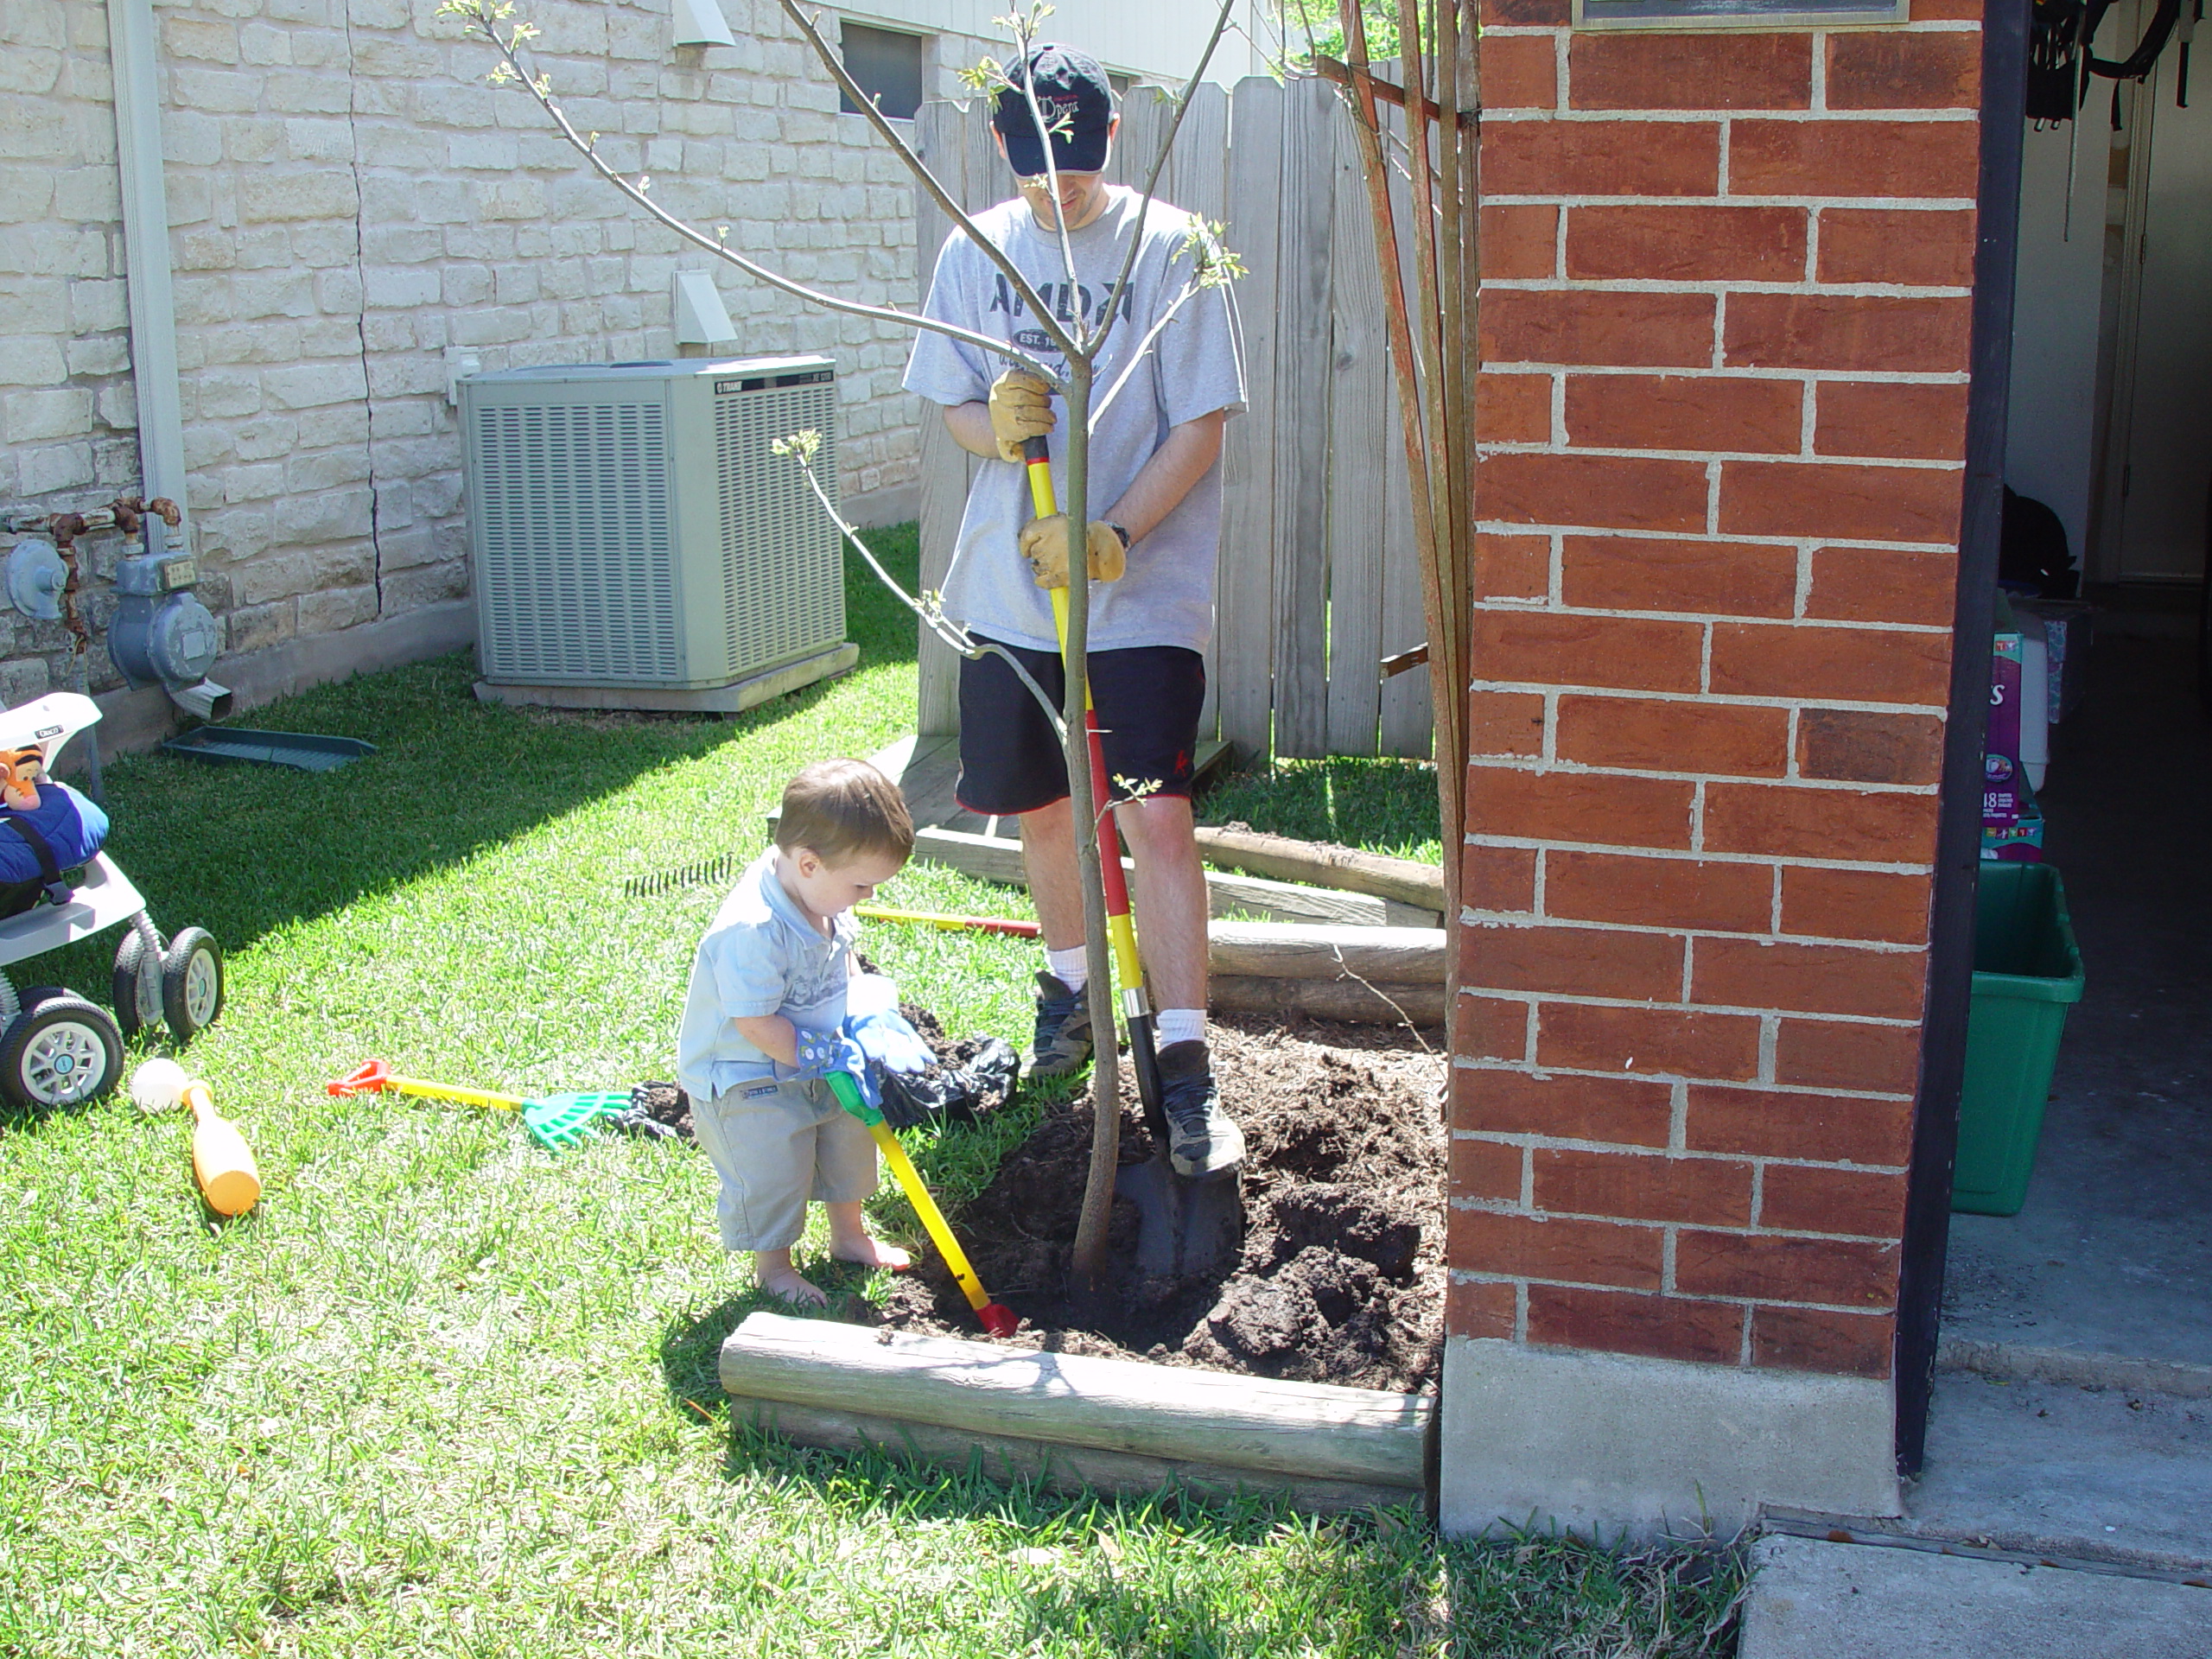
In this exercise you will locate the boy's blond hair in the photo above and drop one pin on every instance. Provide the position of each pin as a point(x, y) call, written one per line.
point(844, 810)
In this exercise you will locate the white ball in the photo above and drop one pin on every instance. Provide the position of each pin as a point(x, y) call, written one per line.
point(158, 1085)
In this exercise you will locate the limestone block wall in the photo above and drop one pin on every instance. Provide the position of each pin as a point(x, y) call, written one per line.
point(348, 197)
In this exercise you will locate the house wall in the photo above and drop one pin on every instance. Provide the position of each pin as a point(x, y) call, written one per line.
point(1724, 321)
point(347, 199)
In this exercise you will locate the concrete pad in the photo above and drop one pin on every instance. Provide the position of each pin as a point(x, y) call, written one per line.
point(2097, 1473)
point(1811, 1599)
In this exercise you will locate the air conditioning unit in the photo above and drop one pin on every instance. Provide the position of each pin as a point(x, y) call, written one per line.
point(634, 543)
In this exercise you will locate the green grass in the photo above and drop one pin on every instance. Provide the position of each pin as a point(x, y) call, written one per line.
point(442, 1393)
point(1383, 805)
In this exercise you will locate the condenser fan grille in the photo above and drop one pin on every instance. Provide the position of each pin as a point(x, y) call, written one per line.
point(783, 576)
point(574, 542)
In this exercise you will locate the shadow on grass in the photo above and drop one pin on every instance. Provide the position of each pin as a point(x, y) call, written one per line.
point(243, 850)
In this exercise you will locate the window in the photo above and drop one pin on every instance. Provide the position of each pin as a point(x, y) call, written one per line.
point(888, 67)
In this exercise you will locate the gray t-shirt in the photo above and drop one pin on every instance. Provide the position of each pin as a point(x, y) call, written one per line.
point(1195, 367)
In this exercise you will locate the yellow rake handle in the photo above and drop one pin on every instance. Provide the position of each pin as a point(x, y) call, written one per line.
point(423, 1091)
point(910, 1179)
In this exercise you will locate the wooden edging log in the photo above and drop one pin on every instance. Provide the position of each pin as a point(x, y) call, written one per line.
point(1376, 1004)
point(1407, 880)
point(997, 858)
point(1122, 1425)
point(1388, 956)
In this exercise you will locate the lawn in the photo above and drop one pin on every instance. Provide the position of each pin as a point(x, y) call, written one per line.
point(445, 1393)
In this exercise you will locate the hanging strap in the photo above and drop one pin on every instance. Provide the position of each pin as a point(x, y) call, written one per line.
point(58, 891)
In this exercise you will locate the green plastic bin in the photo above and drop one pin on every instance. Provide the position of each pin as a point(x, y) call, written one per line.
point(2027, 972)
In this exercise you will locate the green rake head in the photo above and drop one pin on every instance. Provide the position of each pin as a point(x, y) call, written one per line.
point(558, 1122)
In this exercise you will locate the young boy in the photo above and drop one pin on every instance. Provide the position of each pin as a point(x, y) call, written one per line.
point(763, 1025)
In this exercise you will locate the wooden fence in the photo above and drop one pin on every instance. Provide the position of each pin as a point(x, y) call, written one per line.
point(1316, 579)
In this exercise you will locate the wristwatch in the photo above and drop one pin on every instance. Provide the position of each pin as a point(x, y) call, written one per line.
point(1121, 531)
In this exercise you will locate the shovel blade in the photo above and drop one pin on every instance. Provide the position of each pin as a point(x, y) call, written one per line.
point(1186, 1229)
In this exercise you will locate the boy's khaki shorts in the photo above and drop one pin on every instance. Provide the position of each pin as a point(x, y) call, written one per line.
point(776, 1145)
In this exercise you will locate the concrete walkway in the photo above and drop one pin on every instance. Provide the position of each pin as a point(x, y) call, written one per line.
point(1816, 1600)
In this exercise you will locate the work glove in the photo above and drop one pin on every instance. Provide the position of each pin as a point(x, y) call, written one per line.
point(821, 1052)
point(1045, 544)
point(1021, 408)
point(884, 1035)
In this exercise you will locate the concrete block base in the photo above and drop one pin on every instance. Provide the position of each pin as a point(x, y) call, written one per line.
point(1612, 1443)
point(733, 699)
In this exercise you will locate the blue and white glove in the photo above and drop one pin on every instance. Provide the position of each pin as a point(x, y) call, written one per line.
point(873, 1021)
point(821, 1052)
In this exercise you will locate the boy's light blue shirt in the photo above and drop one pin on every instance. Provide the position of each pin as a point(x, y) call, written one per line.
point(761, 956)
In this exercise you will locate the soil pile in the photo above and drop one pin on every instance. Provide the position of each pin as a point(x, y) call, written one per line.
point(1341, 1276)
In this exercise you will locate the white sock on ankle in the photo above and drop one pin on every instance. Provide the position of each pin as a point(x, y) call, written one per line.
point(1070, 967)
point(1179, 1025)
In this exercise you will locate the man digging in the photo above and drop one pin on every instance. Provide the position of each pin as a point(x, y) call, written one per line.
point(1155, 456)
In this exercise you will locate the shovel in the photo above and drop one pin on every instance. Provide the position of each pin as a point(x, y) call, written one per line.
point(1185, 1228)
point(556, 1121)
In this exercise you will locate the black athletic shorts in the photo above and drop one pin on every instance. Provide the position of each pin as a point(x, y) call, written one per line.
point(1148, 698)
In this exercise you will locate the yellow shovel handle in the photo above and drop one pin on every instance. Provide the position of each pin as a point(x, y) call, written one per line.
point(910, 1179)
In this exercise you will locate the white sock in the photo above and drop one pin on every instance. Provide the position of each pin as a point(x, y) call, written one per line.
point(1070, 967)
point(1179, 1025)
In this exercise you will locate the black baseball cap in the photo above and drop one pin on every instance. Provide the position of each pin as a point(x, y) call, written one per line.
point(1078, 102)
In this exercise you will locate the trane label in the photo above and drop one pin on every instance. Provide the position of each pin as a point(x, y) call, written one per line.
point(758, 382)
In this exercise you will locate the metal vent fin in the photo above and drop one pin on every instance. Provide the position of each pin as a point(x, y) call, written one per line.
point(782, 570)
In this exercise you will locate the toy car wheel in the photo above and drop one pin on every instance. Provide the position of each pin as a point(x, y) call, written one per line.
point(192, 982)
point(137, 994)
point(60, 1050)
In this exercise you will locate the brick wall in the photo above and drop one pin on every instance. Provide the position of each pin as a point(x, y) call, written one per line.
point(348, 198)
point(1725, 326)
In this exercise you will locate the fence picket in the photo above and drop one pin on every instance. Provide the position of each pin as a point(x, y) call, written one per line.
point(1361, 415)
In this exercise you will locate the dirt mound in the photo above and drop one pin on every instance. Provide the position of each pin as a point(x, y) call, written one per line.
point(1341, 1277)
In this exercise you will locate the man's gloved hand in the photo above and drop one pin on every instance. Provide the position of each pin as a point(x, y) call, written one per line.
point(1021, 408)
point(1045, 544)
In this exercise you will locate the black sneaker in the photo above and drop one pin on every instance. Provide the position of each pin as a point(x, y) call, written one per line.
point(1202, 1142)
point(1062, 1046)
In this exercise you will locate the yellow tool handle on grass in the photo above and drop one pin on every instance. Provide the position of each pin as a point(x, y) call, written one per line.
point(423, 1091)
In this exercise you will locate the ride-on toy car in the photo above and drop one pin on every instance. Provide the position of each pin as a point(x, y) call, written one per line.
point(56, 887)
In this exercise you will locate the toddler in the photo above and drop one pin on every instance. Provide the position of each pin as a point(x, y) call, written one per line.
point(764, 1026)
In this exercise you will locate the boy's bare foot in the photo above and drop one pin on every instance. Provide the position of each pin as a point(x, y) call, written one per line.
point(789, 1285)
point(871, 1253)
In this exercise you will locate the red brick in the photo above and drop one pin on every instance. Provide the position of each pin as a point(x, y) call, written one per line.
point(1689, 72)
point(1700, 737)
point(1570, 960)
point(1855, 904)
point(1771, 1123)
point(1513, 407)
point(1677, 412)
point(1913, 247)
point(1658, 892)
point(1877, 584)
point(1601, 158)
point(1870, 332)
point(1498, 878)
point(1520, 243)
point(1569, 648)
point(1597, 808)
point(1809, 978)
point(1820, 1054)
point(1627, 330)
point(1778, 820)
point(1900, 422)
point(1611, 573)
point(1666, 1042)
point(1800, 660)
point(1530, 1247)
point(1701, 243)
point(1815, 1340)
point(1505, 723)
point(1622, 1322)
point(1622, 1111)
point(1851, 747)
point(1512, 567)
point(1593, 492)
point(1479, 1308)
point(1491, 1027)
point(1798, 1200)
point(1886, 70)
point(1786, 1269)
point(1485, 1169)
point(1880, 504)
point(1640, 1186)
point(1853, 158)
point(1520, 71)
